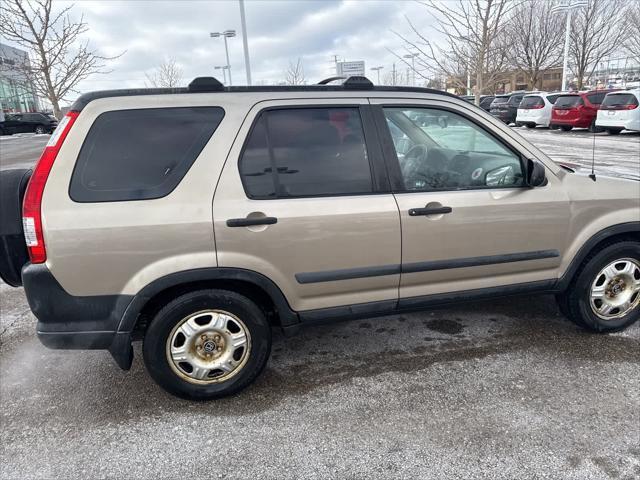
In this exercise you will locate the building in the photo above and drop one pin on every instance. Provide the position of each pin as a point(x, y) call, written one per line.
point(16, 91)
point(549, 80)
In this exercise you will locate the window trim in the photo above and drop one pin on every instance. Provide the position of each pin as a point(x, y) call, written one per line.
point(377, 164)
point(393, 163)
point(180, 180)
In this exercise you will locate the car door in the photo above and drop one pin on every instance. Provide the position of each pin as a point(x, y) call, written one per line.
point(468, 219)
point(304, 200)
point(18, 124)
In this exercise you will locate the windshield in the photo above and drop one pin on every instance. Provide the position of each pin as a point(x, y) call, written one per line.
point(530, 102)
point(568, 101)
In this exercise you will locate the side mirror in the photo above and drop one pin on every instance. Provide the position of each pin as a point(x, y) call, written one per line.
point(536, 175)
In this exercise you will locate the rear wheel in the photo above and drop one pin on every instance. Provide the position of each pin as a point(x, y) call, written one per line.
point(605, 294)
point(531, 125)
point(566, 128)
point(40, 129)
point(593, 128)
point(614, 131)
point(207, 344)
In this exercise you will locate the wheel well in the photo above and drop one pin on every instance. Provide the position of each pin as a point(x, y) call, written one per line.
point(247, 289)
point(616, 238)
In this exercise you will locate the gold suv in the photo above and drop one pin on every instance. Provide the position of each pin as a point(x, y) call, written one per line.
point(196, 219)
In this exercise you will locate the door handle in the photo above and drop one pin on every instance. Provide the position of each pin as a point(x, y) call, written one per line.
point(248, 222)
point(416, 212)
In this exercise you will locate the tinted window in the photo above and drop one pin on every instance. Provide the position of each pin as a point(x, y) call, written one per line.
point(500, 100)
point(596, 98)
point(620, 99)
point(140, 154)
point(552, 98)
point(515, 100)
point(485, 102)
point(306, 152)
point(453, 153)
point(568, 101)
point(530, 102)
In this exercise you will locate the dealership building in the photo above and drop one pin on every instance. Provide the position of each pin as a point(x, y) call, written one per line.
point(16, 91)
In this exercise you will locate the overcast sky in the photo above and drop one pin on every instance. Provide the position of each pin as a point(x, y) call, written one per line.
point(279, 31)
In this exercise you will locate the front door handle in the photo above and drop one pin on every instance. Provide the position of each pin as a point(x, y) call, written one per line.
point(416, 212)
point(250, 221)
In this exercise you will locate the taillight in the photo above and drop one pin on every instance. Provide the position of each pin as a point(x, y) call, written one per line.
point(32, 203)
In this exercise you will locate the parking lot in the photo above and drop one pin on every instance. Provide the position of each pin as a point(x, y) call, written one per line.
point(496, 389)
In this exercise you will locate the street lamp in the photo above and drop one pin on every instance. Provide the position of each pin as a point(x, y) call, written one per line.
point(377, 69)
point(226, 34)
point(224, 69)
point(568, 6)
point(412, 56)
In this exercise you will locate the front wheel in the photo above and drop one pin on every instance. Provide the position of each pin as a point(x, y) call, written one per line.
point(605, 294)
point(207, 344)
point(40, 130)
point(614, 131)
point(565, 128)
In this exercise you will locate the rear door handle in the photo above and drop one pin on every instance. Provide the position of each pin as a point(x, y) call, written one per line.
point(416, 212)
point(248, 222)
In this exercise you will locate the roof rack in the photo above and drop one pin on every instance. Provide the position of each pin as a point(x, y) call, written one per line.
point(211, 84)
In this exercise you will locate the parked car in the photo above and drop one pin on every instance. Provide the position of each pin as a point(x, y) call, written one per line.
point(253, 207)
point(577, 110)
point(485, 100)
point(505, 107)
point(28, 123)
point(620, 111)
point(535, 109)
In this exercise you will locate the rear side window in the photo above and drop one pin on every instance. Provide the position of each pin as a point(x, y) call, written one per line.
point(552, 98)
point(530, 102)
point(569, 101)
point(515, 100)
point(306, 152)
point(596, 98)
point(140, 154)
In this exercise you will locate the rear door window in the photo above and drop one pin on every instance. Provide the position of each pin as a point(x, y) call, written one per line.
point(140, 154)
point(301, 152)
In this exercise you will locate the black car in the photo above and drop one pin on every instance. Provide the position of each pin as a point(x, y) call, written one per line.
point(28, 123)
point(485, 100)
point(505, 107)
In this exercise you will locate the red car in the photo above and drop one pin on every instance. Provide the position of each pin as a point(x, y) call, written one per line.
point(578, 110)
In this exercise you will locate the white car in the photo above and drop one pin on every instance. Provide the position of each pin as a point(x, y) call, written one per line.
point(535, 109)
point(620, 111)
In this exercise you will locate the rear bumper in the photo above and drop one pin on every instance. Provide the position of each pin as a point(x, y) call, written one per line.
point(505, 116)
point(572, 122)
point(66, 321)
point(630, 124)
point(537, 119)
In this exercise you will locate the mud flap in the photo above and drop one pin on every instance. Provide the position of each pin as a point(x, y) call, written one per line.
point(13, 249)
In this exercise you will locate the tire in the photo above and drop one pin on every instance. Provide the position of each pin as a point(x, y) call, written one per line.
point(163, 336)
point(566, 128)
point(40, 129)
point(593, 128)
point(553, 127)
point(614, 131)
point(531, 125)
point(576, 302)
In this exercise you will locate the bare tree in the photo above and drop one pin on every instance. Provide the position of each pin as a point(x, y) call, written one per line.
point(295, 73)
point(167, 75)
point(597, 30)
point(632, 42)
point(474, 42)
point(535, 35)
point(59, 58)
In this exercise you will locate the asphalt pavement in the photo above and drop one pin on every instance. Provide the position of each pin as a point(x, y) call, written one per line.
point(500, 389)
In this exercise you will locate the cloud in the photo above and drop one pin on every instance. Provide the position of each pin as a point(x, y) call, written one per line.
point(279, 31)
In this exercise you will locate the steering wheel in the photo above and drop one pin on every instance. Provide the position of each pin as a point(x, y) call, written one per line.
point(414, 160)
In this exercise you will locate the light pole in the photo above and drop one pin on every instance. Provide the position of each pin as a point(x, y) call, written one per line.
point(567, 5)
point(224, 69)
point(412, 56)
point(226, 34)
point(245, 44)
point(377, 69)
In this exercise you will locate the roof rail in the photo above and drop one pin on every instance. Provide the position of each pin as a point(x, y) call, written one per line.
point(327, 81)
point(205, 84)
point(355, 82)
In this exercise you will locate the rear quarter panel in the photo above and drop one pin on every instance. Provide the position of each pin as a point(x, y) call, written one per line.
point(119, 247)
